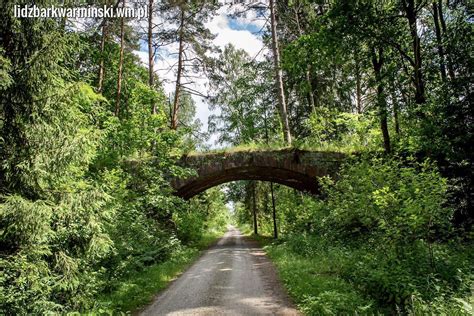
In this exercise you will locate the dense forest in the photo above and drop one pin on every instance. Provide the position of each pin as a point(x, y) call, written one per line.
point(89, 140)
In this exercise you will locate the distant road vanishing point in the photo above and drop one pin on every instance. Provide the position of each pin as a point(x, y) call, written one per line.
point(234, 277)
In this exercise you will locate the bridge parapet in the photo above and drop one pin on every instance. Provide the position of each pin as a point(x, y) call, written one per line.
point(295, 168)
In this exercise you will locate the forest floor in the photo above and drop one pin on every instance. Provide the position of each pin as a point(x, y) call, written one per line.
point(234, 277)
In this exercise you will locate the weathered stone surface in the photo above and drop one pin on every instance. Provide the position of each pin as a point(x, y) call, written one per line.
point(294, 168)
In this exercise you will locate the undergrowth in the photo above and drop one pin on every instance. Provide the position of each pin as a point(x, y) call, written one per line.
point(380, 241)
point(333, 279)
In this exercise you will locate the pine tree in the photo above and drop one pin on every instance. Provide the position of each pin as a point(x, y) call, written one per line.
point(193, 40)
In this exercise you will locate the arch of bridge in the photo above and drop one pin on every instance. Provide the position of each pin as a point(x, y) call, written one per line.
point(298, 169)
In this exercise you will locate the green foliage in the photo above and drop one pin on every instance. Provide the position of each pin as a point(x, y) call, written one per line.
point(380, 241)
point(205, 213)
point(54, 250)
point(239, 90)
point(441, 306)
point(312, 279)
point(403, 203)
point(341, 131)
point(5, 77)
point(53, 244)
point(328, 277)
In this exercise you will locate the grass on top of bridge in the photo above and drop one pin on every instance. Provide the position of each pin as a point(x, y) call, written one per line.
point(252, 147)
point(276, 146)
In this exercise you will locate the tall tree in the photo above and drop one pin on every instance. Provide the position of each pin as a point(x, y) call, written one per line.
point(194, 42)
point(377, 62)
point(240, 89)
point(151, 51)
point(120, 66)
point(107, 27)
point(254, 207)
point(309, 82)
point(279, 75)
point(436, 18)
point(442, 21)
point(275, 227)
point(411, 9)
point(177, 91)
point(103, 39)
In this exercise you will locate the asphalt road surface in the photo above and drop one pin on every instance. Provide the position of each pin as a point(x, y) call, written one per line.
point(232, 278)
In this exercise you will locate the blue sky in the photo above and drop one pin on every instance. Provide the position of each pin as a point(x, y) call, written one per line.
point(239, 25)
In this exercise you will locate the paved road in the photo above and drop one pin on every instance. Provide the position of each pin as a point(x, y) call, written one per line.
point(232, 278)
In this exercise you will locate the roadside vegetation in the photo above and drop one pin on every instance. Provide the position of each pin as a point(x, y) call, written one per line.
point(135, 290)
point(381, 241)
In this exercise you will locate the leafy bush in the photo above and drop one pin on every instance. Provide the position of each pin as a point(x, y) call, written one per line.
point(53, 251)
point(333, 130)
point(204, 213)
point(398, 202)
point(396, 216)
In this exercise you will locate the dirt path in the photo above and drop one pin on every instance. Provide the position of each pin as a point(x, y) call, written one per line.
point(232, 278)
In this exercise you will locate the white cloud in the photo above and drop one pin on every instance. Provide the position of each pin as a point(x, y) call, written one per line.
point(251, 18)
point(242, 39)
point(142, 55)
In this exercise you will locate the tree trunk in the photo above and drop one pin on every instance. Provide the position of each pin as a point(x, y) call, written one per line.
point(312, 101)
point(411, 16)
point(396, 110)
point(279, 76)
point(311, 98)
point(442, 66)
point(151, 53)
point(275, 228)
point(381, 101)
point(174, 117)
point(102, 61)
point(254, 208)
point(358, 78)
point(443, 27)
point(120, 68)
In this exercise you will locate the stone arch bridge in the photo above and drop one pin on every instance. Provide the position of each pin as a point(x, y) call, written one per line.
point(291, 167)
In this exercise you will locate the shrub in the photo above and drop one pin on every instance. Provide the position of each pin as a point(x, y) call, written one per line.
point(389, 199)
